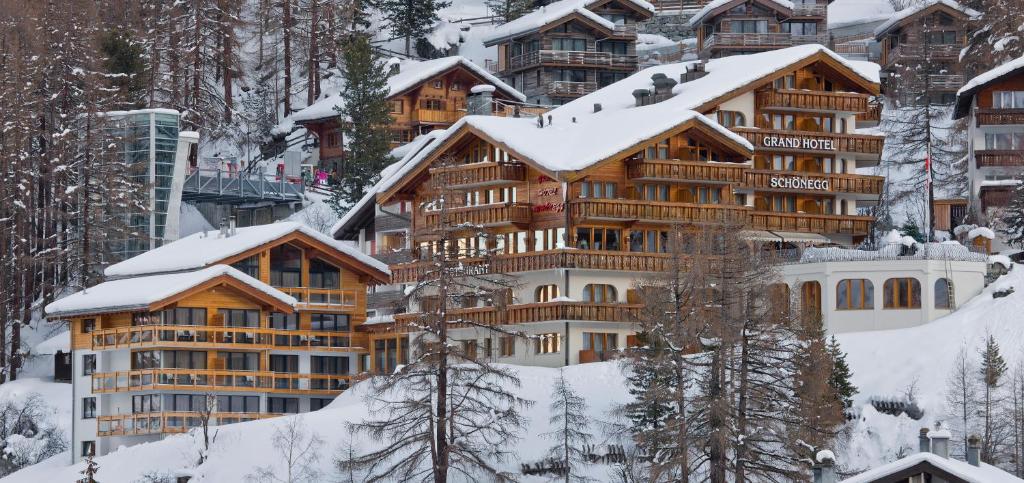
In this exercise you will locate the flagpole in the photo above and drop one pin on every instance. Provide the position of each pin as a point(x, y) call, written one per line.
point(930, 212)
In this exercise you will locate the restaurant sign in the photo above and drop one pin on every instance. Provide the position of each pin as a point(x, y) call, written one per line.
point(816, 144)
point(797, 182)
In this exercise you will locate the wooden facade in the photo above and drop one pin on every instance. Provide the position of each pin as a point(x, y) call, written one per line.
point(750, 26)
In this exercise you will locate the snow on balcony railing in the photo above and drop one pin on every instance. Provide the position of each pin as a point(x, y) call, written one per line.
point(950, 250)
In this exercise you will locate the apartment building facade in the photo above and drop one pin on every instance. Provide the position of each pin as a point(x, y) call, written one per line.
point(580, 208)
point(234, 325)
point(569, 48)
point(740, 27)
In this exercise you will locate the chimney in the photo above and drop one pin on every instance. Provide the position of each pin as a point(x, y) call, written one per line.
point(825, 467)
point(223, 227)
point(394, 66)
point(924, 445)
point(481, 100)
point(642, 97)
point(974, 450)
point(693, 72)
point(231, 226)
point(597, 107)
point(940, 441)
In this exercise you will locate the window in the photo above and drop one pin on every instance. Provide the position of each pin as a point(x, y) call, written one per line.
point(283, 405)
point(397, 106)
point(335, 365)
point(705, 195)
point(655, 192)
point(240, 361)
point(599, 293)
point(660, 150)
point(146, 403)
point(183, 316)
point(318, 403)
point(249, 266)
point(1008, 99)
point(1005, 141)
point(506, 243)
point(238, 404)
point(548, 239)
point(941, 38)
point(786, 82)
point(240, 317)
point(749, 26)
point(597, 238)
point(731, 118)
point(507, 346)
point(783, 204)
point(185, 402)
point(613, 47)
point(549, 343)
point(285, 266)
point(332, 322)
point(599, 341)
point(782, 162)
point(605, 79)
point(468, 349)
point(88, 325)
point(652, 241)
point(281, 321)
point(943, 290)
point(324, 275)
point(569, 44)
point(568, 75)
point(284, 363)
point(855, 294)
point(88, 364)
point(800, 28)
point(386, 353)
point(438, 84)
point(182, 359)
point(88, 448)
point(783, 121)
point(902, 293)
point(545, 293)
point(456, 86)
point(88, 408)
point(432, 104)
point(597, 189)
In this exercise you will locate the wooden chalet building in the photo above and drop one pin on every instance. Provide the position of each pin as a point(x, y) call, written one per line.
point(245, 323)
point(738, 27)
point(424, 95)
point(580, 208)
point(921, 47)
point(569, 48)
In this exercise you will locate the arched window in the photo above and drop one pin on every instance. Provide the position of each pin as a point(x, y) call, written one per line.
point(902, 293)
point(855, 294)
point(545, 293)
point(943, 290)
point(599, 293)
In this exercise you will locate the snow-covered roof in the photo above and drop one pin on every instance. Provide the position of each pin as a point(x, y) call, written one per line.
point(981, 231)
point(411, 73)
point(902, 15)
point(714, 5)
point(983, 473)
point(578, 137)
point(847, 13)
point(60, 343)
point(201, 250)
point(552, 12)
point(139, 292)
point(966, 93)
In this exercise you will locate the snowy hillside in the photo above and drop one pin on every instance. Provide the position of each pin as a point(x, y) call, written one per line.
point(884, 365)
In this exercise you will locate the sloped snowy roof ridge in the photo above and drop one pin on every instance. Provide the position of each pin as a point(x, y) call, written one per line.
point(966, 93)
point(983, 473)
point(201, 250)
point(717, 4)
point(139, 292)
point(913, 10)
point(555, 11)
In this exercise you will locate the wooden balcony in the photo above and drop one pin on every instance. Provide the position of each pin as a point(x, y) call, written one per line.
point(837, 183)
point(685, 171)
point(167, 422)
point(911, 51)
point(772, 40)
point(196, 336)
point(571, 89)
point(483, 215)
point(991, 158)
point(816, 142)
point(475, 175)
point(547, 260)
point(998, 117)
point(873, 114)
point(580, 58)
point(538, 312)
point(654, 211)
point(219, 380)
point(803, 100)
point(810, 223)
point(430, 116)
point(809, 10)
point(321, 298)
point(945, 81)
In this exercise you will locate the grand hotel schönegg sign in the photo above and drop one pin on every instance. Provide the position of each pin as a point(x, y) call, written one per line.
point(795, 142)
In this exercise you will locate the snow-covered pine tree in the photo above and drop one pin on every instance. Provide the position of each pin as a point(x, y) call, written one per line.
point(570, 427)
point(992, 369)
point(410, 19)
point(1012, 218)
point(840, 379)
point(365, 116)
point(509, 10)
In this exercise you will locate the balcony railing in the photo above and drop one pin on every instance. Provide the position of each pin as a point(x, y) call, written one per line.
point(989, 117)
point(991, 158)
point(945, 81)
point(483, 215)
point(766, 40)
point(625, 30)
point(572, 57)
point(904, 51)
point(815, 141)
point(218, 380)
point(810, 223)
point(809, 10)
point(437, 117)
point(675, 170)
point(575, 89)
point(539, 312)
point(873, 114)
point(837, 183)
point(480, 174)
point(812, 100)
point(167, 422)
point(213, 337)
point(309, 297)
point(656, 211)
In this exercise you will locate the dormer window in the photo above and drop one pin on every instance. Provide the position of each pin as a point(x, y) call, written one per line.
point(456, 86)
point(438, 84)
point(731, 118)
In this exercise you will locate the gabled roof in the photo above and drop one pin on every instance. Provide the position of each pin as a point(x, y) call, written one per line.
point(411, 74)
point(553, 13)
point(716, 7)
point(966, 93)
point(154, 291)
point(949, 469)
point(925, 8)
point(202, 250)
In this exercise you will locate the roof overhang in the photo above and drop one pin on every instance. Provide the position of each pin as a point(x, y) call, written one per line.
point(572, 15)
point(930, 9)
point(965, 97)
point(322, 250)
point(725, 7)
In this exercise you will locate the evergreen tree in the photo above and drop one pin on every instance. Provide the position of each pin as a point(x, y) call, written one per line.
point(909, 228)
point(569, 418)
point(91, 468)
point(125, 60)
point(839, 380)
point(992, 369)
point(1012, 221)
point(410, 19)
point(365, 116)
point(509, 10)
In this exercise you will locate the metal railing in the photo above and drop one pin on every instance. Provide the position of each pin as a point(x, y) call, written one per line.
point(218, 380)
point(572, 57)
point(228, 186)
point(209, 336)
